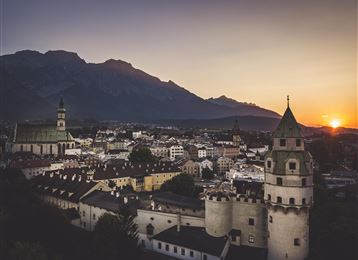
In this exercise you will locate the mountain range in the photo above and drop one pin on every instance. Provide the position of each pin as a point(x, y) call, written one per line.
point(32, 84)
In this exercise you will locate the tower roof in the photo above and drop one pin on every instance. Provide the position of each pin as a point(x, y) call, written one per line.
point(288, 126)
point(61, 104)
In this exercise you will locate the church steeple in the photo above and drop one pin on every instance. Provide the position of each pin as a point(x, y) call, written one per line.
point(61, 111)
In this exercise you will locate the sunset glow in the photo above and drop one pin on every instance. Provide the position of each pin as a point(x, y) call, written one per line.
point(335, 123)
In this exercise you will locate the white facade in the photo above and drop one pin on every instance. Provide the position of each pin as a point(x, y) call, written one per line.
point(176, 151)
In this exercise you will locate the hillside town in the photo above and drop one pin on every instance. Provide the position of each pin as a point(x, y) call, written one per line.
point(246, 187)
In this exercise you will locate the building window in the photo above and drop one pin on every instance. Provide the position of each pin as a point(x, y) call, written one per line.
point(251, 239)
point(298, 142)
point(83, 213)
point(41, 149)
point(31, 148)
point(50, 148)
point(303, 201)
point(151, 218)
point(268, 164)
point(279, 200)
point(304, 182)
point(268, 196)
point(175, 249)
point(279, 181)
point(21, 148)
point(251, 221)
point(94, 216)
point(159, 245)
point(270, 219)
point(296, 242)
point(292, 201)
point(205, 257)
point(150, 229)
point(182, 251)
point(191, 254)
point(292, 166)
point(84, 223)
point(143, 243)
point(166, 247)
point(169, 221)
point(282, 142)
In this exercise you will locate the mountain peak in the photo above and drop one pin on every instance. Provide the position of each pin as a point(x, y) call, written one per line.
point(64, 56)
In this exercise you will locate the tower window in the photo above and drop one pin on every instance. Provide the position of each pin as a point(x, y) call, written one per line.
point(292, 201)
point(31, 148)
point(279, 199)
point(292, 166)
point(251, 239)
point(41, 149)
point(304, 182)
point(21, 148)
point(296, 242)
point(303, 201)
point(251, 221)
point(270, 219)
point(268, 164)
point(279, 181)
point(268, 196)
point(298, 142)
point(282, 142)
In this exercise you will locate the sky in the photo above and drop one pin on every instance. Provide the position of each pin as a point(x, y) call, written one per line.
point(251, 50)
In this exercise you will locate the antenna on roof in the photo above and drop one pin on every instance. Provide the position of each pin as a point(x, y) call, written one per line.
point(288, 101)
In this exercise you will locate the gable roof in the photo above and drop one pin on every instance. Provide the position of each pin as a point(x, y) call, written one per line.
point(39, 133)
point(288, 126)
point(178, 200)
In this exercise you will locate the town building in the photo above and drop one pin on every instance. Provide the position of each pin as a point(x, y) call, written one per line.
point(43, 139)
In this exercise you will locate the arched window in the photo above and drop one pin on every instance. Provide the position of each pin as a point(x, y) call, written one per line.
point(73, 146)
point(63, 148)
point(59, 148)
point(150, 229)
point(268, 196)
point(21, 148)
point(50, 148)
point(68, 146)
point(279, 199)
point(292, 201)
point(41, 149)
point(32, 148)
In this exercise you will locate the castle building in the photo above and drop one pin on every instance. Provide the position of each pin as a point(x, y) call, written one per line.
point(43, 139)
point(271, 218)
point(288, 192)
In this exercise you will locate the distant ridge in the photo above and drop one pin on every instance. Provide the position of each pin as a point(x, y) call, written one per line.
point(33, 82)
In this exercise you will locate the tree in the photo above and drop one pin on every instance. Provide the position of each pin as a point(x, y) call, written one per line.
point(142, 155)
point(182, 184)
point(115, 237)
point(207, 174)
point(27, 251)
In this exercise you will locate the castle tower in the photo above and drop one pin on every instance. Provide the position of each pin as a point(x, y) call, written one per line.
point(288, 191)
point(61, 111)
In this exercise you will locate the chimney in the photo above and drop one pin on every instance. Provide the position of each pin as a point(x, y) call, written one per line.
point(112, 192)
point(117, 194)
point(125, 200)
point(178, 222)
point(65, 177)
point(73, 177)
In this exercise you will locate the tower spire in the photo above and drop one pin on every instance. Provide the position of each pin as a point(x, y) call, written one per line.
point(288, 100)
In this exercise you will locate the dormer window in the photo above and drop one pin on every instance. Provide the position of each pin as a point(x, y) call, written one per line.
point(292, 166)
point(298, 142)
point(282, 142)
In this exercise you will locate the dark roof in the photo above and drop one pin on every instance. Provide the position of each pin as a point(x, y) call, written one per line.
point(38, 133)
point(178, 200)
point(246, 252)
point(104, 200)
point(288, 126)
point(70, 188)
point(36, 163)
point(194, 238)
point(134, 170)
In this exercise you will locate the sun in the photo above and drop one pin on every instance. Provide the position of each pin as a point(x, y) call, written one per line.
point(335, 123)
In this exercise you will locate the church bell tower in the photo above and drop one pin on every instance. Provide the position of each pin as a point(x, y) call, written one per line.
point(288, 191)
point(61, 111)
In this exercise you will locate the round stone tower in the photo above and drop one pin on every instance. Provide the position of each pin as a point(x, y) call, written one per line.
point(288, 192)
point(218, 213)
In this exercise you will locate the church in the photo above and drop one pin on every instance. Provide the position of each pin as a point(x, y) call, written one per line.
point(43, 139)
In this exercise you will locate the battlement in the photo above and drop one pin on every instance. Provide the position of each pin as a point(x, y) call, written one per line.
point(248, 199)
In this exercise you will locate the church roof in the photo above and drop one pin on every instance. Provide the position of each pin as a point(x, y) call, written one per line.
point(38, 133)
point(288, 126)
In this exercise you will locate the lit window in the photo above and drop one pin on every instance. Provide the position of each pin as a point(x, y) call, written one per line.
point(251, 239)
